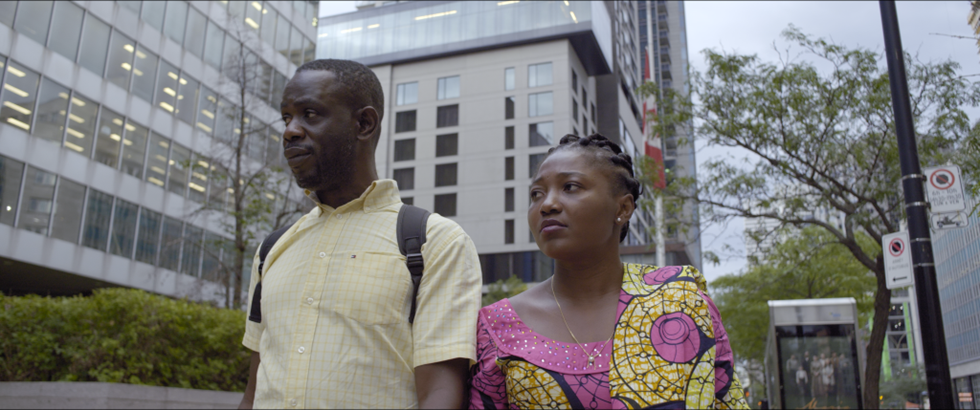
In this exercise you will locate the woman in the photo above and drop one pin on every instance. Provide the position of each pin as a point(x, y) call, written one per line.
point(600, 333)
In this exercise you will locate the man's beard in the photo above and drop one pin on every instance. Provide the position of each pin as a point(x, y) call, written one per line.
point(332, 171)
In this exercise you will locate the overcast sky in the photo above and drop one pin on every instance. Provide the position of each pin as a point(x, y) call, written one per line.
point(752, 27)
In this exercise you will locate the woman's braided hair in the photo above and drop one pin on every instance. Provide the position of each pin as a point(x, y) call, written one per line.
point(621, 162)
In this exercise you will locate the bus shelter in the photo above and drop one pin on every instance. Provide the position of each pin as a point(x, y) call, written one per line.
point(813, 358)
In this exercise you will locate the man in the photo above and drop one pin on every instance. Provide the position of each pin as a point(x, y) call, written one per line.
point(336, 293)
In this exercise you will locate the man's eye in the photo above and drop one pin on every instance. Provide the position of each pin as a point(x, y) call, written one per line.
point(571, 187)
point(535, 194)
point(310, 114)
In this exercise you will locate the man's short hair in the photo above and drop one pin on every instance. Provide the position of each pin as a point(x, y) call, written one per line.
point(361, 86)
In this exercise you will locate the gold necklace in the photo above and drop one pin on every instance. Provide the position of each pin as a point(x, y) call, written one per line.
point(598, 351)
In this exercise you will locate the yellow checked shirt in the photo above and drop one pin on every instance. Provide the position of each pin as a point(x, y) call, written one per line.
point(336, 295)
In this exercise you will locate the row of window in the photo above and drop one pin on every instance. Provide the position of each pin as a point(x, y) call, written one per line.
point(448, 87)
point(60, 208)
point(447, 174)
point(539, 134)
point(53, 112)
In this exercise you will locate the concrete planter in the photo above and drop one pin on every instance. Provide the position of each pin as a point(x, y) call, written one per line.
point(95, 395)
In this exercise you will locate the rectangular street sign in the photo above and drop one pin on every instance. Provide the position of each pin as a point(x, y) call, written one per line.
point(953, 220)
point(944, 189)
point(898, 260)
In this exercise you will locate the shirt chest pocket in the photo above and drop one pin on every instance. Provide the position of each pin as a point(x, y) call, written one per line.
point(369, 287)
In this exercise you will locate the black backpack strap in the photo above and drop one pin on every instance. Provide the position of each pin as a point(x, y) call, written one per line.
point(255, 313)
point(411, 236)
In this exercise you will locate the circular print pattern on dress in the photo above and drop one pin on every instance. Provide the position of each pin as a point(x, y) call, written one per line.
point(676, 337)
point(661, 275)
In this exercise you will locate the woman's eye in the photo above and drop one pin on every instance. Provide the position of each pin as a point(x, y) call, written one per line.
point(535, 194)
point(571, 187)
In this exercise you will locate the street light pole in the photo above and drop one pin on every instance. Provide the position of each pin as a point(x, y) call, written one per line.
point(924, 270)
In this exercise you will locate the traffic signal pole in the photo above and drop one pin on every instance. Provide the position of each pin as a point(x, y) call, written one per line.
point(924, 270)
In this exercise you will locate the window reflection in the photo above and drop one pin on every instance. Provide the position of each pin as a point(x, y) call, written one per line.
point(149, 234)
point(94, 45)
point(167, 86)
point(540, 104)
point(11, 172)
point(296, 47)
point(156, 161)
point(37, 201)
point(170, 242)
point(65, 28)
point(7, 9)
point(109, 138)
point(32, 19)
point(539, 75)
point(176, 18)
point(509, 78)
point(19, 94)
point(208, 107)
point(195, 33)
point(197, 187)
point(134, 148)
point(407, 93)
point(214, 44)
point(179, 161)
point(121, 59)
point(273, 147)
point(97, 215)
point(187, 98)
point(51, 110)
point(282, 36)
point(123, 229)
point(81, 125)
point(68, 207)
point(153, 12)
point(541, 134)
point(268, 30)
point(448, 87)
point(144, 74)
point(190, 263)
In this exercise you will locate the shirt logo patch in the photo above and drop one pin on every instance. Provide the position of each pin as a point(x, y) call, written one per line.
point(353, 256)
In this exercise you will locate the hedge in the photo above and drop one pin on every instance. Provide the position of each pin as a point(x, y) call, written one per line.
point(122, 336)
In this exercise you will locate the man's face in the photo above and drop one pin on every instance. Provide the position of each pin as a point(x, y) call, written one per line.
point(321, 131)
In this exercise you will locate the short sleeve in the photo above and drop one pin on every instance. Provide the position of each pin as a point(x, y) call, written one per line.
point(449, 295)
point(728, 390)
point(253, 330)
point(488, 389)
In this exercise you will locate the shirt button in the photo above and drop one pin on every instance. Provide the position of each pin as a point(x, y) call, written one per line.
point(339, 216)
point(323, 255)
point(292, 402)
point(301, 349)
point(309, 301)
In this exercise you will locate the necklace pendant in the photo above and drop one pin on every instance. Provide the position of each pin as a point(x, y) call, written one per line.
point(591, 360)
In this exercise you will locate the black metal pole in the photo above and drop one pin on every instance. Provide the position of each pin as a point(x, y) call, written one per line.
point(927, 290)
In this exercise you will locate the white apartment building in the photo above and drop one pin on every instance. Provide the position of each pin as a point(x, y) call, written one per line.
point(476, 94)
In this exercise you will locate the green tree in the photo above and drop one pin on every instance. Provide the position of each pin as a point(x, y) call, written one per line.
point(250, 187)
point(820, 139)
point(503, 288)
point(810, 264)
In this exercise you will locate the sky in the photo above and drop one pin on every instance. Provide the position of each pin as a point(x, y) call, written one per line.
point(753, 27)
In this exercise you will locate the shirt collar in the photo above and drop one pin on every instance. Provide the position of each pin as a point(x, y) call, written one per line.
point(380, 194)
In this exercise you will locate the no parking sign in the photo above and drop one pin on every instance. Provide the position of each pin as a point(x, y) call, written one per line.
point(898, 260)
point(944, 189)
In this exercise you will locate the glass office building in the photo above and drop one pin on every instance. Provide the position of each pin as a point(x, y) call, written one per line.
point(476, 94)
point(957, 255)
point(112, 119)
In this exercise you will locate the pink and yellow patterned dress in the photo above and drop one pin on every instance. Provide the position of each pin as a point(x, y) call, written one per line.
point(669, 350)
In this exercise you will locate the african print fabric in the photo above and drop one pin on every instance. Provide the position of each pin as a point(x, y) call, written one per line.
point(669, 350)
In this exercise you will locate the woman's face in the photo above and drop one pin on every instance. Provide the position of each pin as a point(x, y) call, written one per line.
point(574, 205)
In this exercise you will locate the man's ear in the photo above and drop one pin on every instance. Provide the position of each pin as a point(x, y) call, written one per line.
point(368, 123)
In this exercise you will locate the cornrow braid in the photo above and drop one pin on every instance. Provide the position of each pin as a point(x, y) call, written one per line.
point(622, 162)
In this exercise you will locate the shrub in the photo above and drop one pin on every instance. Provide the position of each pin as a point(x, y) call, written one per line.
point(122, 336)
point(503, 289)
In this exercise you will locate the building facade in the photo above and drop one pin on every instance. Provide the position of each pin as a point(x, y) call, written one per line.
point(957, 258)
point(476, 94)
point(112, 120)
point(670, 71)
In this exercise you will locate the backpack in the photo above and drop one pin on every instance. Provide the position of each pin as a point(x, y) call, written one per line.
point(411, 237)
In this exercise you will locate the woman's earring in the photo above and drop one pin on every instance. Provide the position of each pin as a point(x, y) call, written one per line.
point(619, 219)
